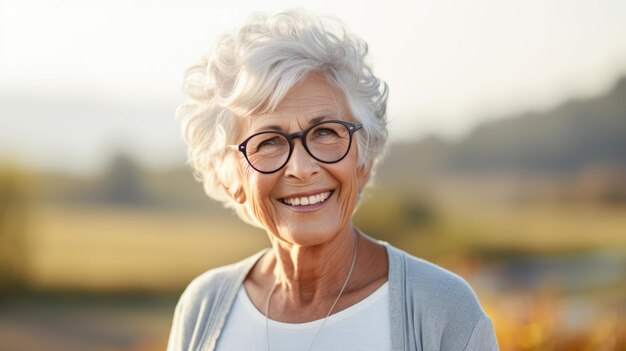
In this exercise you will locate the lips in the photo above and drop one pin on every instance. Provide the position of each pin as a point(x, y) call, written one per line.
point(307, 200)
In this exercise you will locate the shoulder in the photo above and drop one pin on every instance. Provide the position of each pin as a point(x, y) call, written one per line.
point(438, 285)
point(429, 282)
point(205, 302)
point(214, 282)
point(445, 309)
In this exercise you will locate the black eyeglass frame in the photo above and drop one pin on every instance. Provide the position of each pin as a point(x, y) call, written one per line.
point(351, 127)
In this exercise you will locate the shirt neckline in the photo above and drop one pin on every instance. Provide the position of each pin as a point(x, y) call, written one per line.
point(242, 295)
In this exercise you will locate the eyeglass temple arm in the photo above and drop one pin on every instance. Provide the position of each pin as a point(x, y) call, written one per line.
point(234, 147)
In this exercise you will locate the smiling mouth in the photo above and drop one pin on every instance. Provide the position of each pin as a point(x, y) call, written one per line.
point(307, 200)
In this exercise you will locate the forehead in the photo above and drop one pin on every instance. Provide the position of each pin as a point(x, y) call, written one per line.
point(310, 98)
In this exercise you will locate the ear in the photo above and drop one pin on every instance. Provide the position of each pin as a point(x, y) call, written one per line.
point(239, 196)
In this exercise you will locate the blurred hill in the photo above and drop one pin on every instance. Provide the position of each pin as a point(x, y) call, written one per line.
point(576, 151)
point(578, 134)
point(575, 135)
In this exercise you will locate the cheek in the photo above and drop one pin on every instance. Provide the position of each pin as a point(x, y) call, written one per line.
point(349, 182)
point(259, 200)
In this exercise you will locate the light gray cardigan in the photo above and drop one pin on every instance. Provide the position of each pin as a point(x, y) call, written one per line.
point(431, 308)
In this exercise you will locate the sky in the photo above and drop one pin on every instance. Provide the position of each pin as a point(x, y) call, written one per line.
point(81, 79)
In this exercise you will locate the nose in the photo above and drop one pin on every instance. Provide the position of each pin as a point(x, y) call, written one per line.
point(301, 165)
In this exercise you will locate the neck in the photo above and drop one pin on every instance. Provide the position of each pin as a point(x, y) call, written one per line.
point(308, 274)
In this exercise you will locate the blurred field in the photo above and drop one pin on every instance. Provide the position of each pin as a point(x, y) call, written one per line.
point(109, 249)
point(477, 216)
point(121, 249)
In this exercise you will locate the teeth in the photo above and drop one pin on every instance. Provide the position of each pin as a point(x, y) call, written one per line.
point(310, 200)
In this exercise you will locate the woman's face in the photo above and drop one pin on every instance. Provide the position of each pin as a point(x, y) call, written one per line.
point(272, 197)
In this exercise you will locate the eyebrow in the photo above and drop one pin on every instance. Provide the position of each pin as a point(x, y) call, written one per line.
point(278, 128)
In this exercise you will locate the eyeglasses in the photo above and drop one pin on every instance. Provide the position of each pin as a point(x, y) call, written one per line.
point(327, 142)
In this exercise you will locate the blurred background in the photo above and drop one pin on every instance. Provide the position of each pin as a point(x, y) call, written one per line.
point(507, 163)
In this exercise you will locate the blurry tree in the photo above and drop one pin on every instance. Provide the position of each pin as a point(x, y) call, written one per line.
point(15, 205)
point(122, 184)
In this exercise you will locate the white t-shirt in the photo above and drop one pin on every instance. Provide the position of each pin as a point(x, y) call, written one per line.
point(364, 326)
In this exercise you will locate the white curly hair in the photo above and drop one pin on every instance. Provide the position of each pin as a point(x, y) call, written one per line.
point(251, 70)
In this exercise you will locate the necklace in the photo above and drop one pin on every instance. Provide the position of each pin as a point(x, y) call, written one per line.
point(345, 283)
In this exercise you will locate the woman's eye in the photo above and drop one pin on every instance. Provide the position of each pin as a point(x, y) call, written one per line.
point(269, 142)
point(324, 132)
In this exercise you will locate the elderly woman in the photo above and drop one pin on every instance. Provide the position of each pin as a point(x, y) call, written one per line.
point(285, 124)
